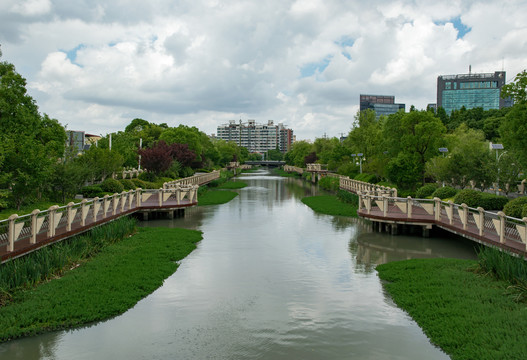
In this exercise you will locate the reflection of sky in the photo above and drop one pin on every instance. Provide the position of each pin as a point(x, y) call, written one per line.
point(271, 279)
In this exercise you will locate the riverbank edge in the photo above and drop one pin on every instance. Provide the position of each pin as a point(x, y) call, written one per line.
point(216, 197)
point(468, 315)
point(106, 286)
point(330, 205)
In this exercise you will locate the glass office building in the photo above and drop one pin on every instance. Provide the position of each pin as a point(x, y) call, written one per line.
point(381, 104)
point(471, 91)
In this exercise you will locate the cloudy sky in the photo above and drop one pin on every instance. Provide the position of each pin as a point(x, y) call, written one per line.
point(95, 64)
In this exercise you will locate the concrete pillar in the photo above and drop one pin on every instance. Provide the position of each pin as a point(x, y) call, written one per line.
point(426, 231)
point(145, 216)
point(395, 229)
point(171, 215)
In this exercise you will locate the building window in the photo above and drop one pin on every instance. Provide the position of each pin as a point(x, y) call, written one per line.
point(447, 85)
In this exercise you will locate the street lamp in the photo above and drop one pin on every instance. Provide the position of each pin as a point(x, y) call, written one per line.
point(359, 155)
point(498, 147)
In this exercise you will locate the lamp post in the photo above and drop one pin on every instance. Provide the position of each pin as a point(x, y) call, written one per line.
point(498, 147)
point(359, 155)
point(443, 150)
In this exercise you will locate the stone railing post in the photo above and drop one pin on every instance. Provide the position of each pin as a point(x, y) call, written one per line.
point(450, 212)
point(138, 197)
point(13, 232)
point(96, 207)
point(409, 205)
point(501, 214)
point(53, 219)
point(437, 209)
point(124, 198)
point(36, 224)
point(160, 197)
point(523, 235)
point(521, 187)
point(105, 205)
point(385, 205)
point(84, 211)
point(464, 215)
point(71, 212)
point(480, 220)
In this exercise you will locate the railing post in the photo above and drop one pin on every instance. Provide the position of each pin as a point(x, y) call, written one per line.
point(525, 232)
point(124, 198)
point(35, 226)
point(138, 198)
point(450, 211)
point(105, 205)
point(96, 207)
point(160, 197)
point(464, 217)
point(84, 211)
point(71, 215)
point(52, 220)
point(481, 220)
point(11, 233)
point(384, 205)
point(409, 206)
point(437, 208)
point(501, 214)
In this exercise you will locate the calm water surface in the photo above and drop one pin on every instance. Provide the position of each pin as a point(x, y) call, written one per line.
point(270, 280)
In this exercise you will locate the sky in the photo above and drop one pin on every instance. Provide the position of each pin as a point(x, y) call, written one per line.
point(96, 65)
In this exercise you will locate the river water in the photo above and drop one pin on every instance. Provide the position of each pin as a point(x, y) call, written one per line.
point(271, 279)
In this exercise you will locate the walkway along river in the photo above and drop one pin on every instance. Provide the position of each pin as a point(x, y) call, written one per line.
point(270, 280)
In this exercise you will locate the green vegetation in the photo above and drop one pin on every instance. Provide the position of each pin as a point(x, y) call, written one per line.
point(504, 266)
point(444, 192)
point(48, 262)
point(108, 285)
point(468, 315)
point(329, 183)
point(232, 185)
point(330, 205)
point(281, 172)
point(516, 208)
point(474, 198)
point(425, 191)
point(216, 197)
point(27, 209)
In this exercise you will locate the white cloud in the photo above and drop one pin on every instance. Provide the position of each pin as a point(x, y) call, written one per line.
point(304, 63)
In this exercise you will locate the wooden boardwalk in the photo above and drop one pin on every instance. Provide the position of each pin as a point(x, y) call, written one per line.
point(20, 235)
point(485, 227)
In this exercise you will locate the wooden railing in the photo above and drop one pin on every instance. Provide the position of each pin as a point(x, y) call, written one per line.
point(44, 225)
point(492, 227)
point(296, 169)
point(357, 186)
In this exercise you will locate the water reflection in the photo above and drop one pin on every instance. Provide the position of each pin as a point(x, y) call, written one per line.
point(270, 280)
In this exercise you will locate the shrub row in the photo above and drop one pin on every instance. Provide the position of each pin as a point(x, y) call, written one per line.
point(329, 183)
point(474, 198)
point(369, 178)
point(516, 208)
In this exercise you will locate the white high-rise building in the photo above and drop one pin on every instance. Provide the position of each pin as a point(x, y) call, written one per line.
point(257, 138)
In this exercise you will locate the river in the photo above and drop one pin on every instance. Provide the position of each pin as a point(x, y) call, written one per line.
point(271, 279)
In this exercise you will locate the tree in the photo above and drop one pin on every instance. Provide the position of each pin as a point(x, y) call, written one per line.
point(100, 162)
point(513, 131)
point(516, 90)
point(298, 152)
point(412, 137)
point(158, 158)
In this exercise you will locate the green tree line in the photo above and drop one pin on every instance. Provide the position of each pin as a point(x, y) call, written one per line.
point(36, 163)
point(403, 148)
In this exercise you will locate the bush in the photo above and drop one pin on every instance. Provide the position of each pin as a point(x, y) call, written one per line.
point(444, 192)
point(128, 184)
point(425, 191)
point(515, 207)
point(144, 184)
point(493, 202)
point(469, 197)
point(369, 178)
point(147, 176)
point(348, 169)
point(112, 186)
point(92, 191)
point(347, 197)
point(329, 183)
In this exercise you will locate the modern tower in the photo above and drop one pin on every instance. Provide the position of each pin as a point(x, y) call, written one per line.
point(471, 91)
point(381, 104)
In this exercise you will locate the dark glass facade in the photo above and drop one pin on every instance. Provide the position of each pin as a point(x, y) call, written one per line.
point(381, 104)
point(471, 91)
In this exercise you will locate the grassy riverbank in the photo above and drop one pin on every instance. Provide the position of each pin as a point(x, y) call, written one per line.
point(330, 205)
point(468, 315)
point(216, 197)
point(107, 285)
